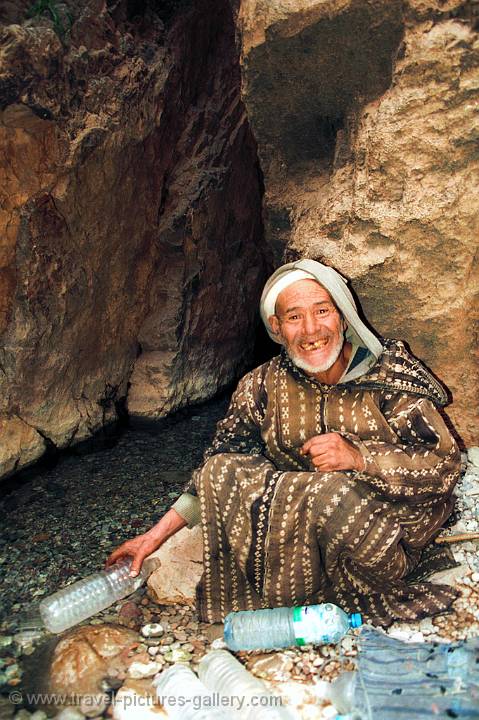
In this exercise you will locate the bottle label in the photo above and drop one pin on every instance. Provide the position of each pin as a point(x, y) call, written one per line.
point(316, 624)
point(298, 625)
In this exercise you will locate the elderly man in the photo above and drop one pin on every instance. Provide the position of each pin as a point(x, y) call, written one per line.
point(331, 473)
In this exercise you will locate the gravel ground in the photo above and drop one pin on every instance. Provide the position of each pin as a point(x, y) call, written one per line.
point(61, 525)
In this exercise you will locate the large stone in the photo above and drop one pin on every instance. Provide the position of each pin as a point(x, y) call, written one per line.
point(77, 669)
point(84, 656)
point(365, 114)
point(181, 559)
point(123, 143)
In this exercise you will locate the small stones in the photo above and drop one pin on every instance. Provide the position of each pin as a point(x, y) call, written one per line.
point(177, 655)
point(275, 666)
point(167, 640)
point(23, 715)
point(38, 715)
point(347, 645)
point(139, 670)
point(69, 713)
point(154, 630)
point(130, 610)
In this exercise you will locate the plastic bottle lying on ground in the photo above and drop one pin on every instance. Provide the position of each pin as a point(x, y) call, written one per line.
point(225, 675)
point(85, 598)
point(402, 681)
point(285, 627)
point(184, 696)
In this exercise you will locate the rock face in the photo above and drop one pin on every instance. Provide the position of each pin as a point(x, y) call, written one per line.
point(130, 216)
point(365, 115)
point(181, 568)
point(133, 250)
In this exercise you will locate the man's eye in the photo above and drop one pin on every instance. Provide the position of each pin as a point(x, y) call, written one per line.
point(293, 317)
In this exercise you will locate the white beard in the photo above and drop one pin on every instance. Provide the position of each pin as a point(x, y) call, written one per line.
point(328, 363)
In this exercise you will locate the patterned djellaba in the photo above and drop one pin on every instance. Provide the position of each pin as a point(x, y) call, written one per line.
point(276, 532)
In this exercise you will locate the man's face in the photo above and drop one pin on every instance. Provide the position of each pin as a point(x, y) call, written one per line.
point(309, 326)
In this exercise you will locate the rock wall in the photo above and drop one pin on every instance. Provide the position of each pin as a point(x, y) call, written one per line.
point(130, 217)
point(365, 114)
point(137, 139)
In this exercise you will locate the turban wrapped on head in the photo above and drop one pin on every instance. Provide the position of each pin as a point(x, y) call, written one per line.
point(334, 283)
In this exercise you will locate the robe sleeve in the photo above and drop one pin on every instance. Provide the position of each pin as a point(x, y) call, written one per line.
point(239, 431)
point(421, 461)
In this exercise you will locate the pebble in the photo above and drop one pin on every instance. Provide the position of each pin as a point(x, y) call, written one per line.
point(153, 630)
point(23, 715)
point(139, 670)
point(178, 655)
point(274, 666)
point(69, 713)
point(329, 712)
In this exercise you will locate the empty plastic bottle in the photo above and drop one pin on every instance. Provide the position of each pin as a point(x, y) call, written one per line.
point(184, 696)
point(85, 598)
point(225, 675)
point(399, 681)
point(285, 627)
point(341, 692)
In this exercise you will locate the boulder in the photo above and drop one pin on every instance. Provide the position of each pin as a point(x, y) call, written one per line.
point(84, 657)
point(181, 558)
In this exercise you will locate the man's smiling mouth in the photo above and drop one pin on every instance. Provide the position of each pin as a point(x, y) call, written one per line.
point(322, 342)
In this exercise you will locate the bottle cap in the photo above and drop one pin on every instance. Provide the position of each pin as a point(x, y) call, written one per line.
point(355, 620)
point(228, 630)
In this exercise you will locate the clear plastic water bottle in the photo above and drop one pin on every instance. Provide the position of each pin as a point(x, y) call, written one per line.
point(285, 627)
point(396, 680)
point(341, 692)
point(184, 696)
point(224, 674)
point(85, 598)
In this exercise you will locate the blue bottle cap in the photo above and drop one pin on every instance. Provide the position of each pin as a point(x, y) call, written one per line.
point(228, 630)
point(355, 620)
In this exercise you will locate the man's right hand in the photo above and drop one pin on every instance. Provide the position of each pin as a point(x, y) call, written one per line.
point(140, 547)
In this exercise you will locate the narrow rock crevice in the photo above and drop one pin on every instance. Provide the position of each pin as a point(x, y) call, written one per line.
point(125, 142)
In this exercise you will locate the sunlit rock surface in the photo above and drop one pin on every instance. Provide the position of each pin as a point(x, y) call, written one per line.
point(365, 114)
point(130, 217)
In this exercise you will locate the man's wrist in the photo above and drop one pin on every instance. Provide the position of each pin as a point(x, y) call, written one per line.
point(361, 463)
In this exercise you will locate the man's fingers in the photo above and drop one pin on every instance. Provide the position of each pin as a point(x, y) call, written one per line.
point(324, 441)
point(317, 449)
point(306, 447)
point(323, 463)
point(137, 562)
point(119, 552)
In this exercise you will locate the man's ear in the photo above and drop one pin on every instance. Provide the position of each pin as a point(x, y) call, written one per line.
point(274, 324)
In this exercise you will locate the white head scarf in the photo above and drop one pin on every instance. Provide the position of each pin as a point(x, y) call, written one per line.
point(357, 332)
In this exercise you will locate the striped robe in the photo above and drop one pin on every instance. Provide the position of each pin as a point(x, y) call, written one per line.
point(278, 532)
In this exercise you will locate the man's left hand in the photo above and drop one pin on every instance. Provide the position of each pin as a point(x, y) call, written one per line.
point(331, 452)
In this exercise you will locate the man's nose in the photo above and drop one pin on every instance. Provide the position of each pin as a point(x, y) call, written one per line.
point(311, 323)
